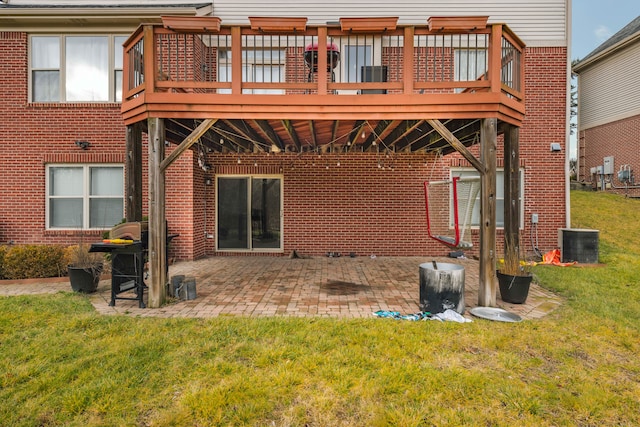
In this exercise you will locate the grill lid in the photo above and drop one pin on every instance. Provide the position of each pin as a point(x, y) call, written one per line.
point(129, 230)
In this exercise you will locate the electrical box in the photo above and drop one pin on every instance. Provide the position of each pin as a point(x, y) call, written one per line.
point(607, 165)
point(599, 170)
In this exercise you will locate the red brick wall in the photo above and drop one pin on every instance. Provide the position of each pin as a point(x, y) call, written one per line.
point(182, 205)
point(370, 211)
point(33, 135)
point(355, 207)
point(545, 122)
point(620, 139)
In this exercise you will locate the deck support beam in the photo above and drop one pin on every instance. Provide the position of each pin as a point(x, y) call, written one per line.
point(193, 137)
point(157, 214)
point(512, 190)
point(133, 173)
point(291, 131)
point(486, 167)
point(488, 284)
point(269, 133)
point(456, 144)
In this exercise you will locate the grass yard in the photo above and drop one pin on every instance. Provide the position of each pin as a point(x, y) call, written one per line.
point(63, 364)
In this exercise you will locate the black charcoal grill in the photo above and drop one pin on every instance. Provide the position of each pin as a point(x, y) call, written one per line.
point(127, 261)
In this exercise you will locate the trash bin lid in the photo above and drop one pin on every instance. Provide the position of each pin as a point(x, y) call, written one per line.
point(494, 313)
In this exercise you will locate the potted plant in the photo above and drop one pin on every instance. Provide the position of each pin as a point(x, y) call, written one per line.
point(84, 268)
point(514, 275)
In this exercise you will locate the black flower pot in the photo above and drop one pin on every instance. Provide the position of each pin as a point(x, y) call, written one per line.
point(514, 289)
point(84, 279)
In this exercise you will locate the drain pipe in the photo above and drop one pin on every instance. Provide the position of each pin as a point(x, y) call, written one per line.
point(567, 140)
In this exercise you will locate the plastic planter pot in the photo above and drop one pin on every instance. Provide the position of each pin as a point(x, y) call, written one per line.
point(514, 289)
point(84, 279)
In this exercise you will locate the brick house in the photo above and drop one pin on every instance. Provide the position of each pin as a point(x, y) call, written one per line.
point(608, 125)
point(291, 158)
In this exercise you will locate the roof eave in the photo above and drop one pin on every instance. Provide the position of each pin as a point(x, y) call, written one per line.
point(590, 60)
point(21, 19)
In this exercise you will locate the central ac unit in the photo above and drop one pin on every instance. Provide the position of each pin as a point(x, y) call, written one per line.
point(580, 245)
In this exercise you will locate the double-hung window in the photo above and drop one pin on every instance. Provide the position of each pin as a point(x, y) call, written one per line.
point(258, 66)
point(76, 68)
point(84, 196)
point(475, 218)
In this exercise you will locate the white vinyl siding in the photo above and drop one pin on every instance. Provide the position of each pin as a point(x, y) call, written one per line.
point(536, 22)
point(610, 89)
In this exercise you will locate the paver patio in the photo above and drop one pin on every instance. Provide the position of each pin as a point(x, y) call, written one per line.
point(279, 286)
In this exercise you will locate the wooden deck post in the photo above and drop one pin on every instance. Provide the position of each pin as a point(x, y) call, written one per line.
point(495, 54)
point(149, 59)
point(133, 173)
point(512, 190)
point(322, 61)
point(236, 60)
point(157, 219)
point(408, 60)
point(488, 284)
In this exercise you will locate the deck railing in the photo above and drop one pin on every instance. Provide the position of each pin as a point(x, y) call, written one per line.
point(324, 60)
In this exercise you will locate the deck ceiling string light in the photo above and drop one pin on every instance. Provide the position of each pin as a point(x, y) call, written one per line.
point(376, 137)
point(231, 135)
point(268, 147)
point(202, 156)
point(343, 142)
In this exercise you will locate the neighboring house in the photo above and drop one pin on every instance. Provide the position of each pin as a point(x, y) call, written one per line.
point(347, 178)
point(609, 113)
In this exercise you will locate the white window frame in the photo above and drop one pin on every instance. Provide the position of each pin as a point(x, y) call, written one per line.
point(251, 178)
point(472, 173)
point(250, 64)
point(374, 59)
point(113, 47)
point(86, 190)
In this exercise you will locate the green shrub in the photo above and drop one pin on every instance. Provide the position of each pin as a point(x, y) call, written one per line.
point(3, 250)
point(32, 261)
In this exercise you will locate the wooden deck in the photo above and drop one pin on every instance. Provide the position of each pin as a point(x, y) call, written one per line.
point(379, 84)
point(359, 85)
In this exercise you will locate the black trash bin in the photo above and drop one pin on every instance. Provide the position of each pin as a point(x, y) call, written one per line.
point(441, 287)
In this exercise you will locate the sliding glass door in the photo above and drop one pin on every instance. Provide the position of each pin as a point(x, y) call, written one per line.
point(249, 212)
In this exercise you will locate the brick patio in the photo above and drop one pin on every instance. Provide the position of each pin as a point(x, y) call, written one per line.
point(278, 286)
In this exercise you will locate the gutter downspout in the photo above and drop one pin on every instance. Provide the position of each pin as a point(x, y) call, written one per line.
point(567, 174)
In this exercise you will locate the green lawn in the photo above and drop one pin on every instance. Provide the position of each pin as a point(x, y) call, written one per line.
point(63, 364)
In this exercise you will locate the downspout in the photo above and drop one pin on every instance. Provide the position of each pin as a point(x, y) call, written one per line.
point(567, 156)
